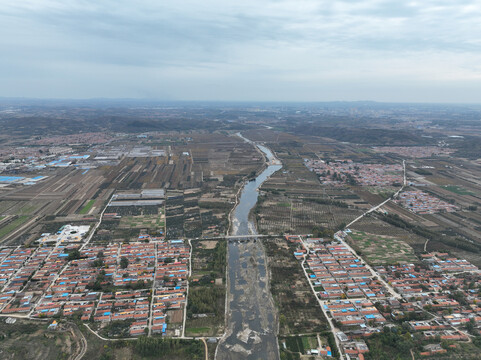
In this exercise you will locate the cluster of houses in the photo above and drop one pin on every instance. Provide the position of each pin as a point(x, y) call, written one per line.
point(420, 202)
point(346, 171)
point(451, 291)
point(172, 277)
point(346, 287)
point(437, 297)
point(442, 262)
point(82, 138)
point(142, 283)
point(12, 273)
point(335, 272)
point(355, 350)
point(355, 314)
point(26, 275)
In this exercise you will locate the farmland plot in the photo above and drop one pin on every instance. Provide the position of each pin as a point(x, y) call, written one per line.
point(295, 216)
point(382, 250)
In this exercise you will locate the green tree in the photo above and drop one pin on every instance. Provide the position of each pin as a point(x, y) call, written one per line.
point(74, 255)
point(124, 262)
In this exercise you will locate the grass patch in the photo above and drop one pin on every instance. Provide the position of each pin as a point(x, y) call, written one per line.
point(457, 189)
point(288, 355)
point(198, 330)
point(13, 225)
point(28, 209)
point(380, 250)
point(295, 344)
point(87, 207)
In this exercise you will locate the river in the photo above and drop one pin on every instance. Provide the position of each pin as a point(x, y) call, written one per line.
point(251, 317)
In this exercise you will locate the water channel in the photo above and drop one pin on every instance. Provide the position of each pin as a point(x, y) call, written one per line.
point(251, 329)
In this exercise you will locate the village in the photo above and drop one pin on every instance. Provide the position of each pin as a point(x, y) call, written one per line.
point(438, 297)
point(420, 202)
point(339, 172)
point(143, 284)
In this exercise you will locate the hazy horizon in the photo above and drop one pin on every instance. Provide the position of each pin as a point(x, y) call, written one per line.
point(155, 102)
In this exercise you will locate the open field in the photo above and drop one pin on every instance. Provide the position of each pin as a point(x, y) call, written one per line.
point(27, 339)
point(87, 207)
point(143, 221)
point(382, 250)
point(457, 190)
point(297, 216)
point(373, 225)
point(206, 306)
point(299, 344)
point(14, 224)
point(66, 193)
point(298, 310)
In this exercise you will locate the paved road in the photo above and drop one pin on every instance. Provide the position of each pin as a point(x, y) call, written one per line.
point(321, 303)
point(206, 349)
point(374, 208)
point(151, 311)
point(106, 339)
point(187, 290)
point(94, 229)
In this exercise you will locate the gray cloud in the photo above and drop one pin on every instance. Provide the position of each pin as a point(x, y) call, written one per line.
point(249, 50)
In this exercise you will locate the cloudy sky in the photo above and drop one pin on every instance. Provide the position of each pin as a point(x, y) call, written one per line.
point(285, 50)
